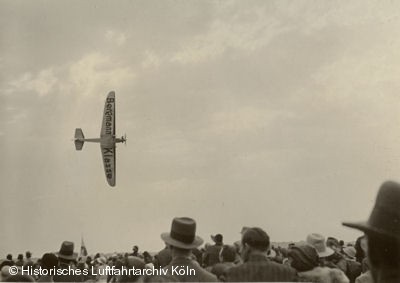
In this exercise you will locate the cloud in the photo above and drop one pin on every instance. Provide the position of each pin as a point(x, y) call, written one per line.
point(95, 72)
point(246, 31)
point(91, 73)
point(16, 117)
point(310, 17)
point(252, 25)
point(151, 59)
point(116, 36)
point(241, 120)
point(365, 78)
point(42, 83)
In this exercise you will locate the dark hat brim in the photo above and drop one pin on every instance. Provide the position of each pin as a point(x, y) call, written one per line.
point(362, 225)
point(367, 228)
point(74, 256)
point(167, 239)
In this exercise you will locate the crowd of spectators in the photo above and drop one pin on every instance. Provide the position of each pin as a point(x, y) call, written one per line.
point(374, 256)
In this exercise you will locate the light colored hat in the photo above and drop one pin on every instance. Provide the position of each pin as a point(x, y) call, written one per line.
point(271, 253)
point(101, 260)
point(5, 272)
point(318, 242)
point(350, 252)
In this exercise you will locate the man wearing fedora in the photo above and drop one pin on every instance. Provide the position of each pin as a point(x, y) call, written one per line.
point(327, 255)
point(67, 260)
point(256, 266)
point(181, 240)
point(227, 257)
point(135, 251)
point(383, 232)
point(211, 255)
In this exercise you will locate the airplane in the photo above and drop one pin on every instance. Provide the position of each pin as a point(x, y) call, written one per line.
point(107, 139)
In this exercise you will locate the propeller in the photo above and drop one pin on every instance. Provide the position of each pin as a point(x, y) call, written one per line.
point(124, 139)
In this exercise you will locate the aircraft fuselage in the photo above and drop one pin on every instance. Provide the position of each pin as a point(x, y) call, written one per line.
point(106, 140)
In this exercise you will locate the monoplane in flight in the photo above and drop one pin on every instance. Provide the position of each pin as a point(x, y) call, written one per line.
point(107, 139)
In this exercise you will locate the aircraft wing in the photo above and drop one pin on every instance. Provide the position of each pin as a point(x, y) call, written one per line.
point(108, 125)
point(108, 153)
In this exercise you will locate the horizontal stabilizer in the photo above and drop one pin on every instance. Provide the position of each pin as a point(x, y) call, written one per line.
point(79, 139)
point(78, 145)
point(79, 134)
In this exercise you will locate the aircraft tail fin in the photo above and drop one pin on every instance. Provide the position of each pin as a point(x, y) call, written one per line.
point(78, 136)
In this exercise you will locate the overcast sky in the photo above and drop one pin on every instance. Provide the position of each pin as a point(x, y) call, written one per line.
point(278, 114)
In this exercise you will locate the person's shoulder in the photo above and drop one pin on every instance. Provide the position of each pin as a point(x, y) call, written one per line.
point(282, 271)
point(206, 275)
point(239, 267)
point(236, 272)
point(164, 252)
point(365, 278)
point(209, 249)
point(325, 273)
point(281, 266)
point(195, 270)
point(223, 265)
point(260, 271)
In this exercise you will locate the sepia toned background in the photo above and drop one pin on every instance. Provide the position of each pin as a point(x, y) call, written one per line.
point(278, 114)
